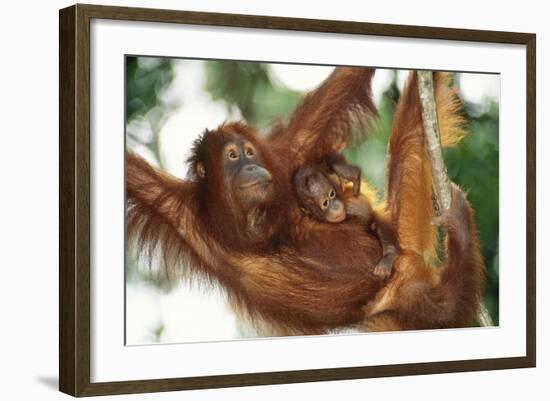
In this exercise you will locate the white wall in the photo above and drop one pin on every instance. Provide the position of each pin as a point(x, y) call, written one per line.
point(28, 197)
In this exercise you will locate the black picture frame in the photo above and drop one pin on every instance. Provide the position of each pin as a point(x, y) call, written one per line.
point(74, 198)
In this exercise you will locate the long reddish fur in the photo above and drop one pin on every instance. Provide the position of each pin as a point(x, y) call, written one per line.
point(328, 119)
point(325, 281)
point(419, 295)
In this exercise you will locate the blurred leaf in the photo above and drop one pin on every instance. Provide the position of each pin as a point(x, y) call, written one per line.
point(248, 86)
point(144, 82)
point(146, 78)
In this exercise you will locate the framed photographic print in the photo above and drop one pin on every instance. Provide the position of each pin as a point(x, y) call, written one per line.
point(251, 200)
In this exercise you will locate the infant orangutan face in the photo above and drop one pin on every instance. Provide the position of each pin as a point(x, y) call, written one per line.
point(318, 196)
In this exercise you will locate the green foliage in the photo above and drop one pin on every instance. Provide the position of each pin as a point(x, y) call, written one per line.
point(248, 86)
point(474, 165)
point(157, 332)
point(145, 79)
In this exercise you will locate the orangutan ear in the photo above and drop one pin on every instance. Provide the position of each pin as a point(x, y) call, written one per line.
point(200, 170)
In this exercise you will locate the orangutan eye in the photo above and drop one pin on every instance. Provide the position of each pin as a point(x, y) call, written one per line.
point(332, 194)
point(232, 155)
point(249, 152)
point(325, 204)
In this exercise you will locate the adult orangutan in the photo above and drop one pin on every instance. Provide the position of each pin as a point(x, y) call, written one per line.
point(237, 221)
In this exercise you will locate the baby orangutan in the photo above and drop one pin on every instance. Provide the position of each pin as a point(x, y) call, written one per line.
point(320, 189)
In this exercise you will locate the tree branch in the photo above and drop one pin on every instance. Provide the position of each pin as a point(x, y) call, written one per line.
point(441, 182)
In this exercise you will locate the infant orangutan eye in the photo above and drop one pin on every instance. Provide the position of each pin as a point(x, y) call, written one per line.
point(332, 194)
point(249, 152)
point(325, 204)
point(232, 155)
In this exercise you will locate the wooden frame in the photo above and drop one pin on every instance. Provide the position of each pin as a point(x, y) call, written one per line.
point(74, 199)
